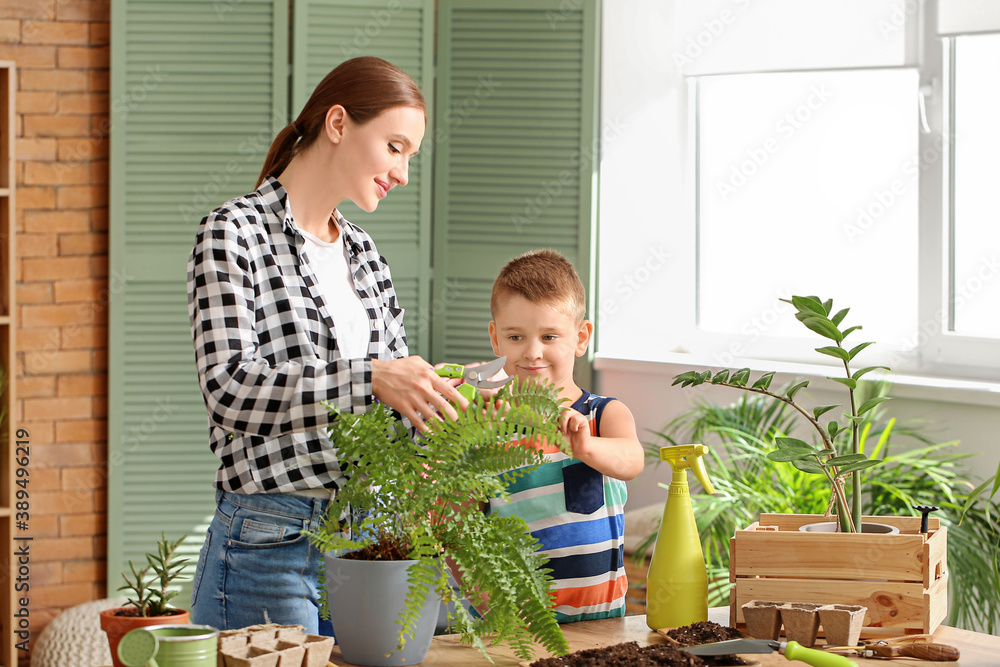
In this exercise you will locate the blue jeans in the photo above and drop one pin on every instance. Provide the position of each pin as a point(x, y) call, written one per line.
point(256, 566)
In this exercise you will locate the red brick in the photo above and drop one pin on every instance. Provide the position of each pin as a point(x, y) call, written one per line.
point(58, 455)
point(36, 387)
point(10, 31)
point(34, 340)
point(46, 574)
point(100, 33)
point(82, 385)
point(85, 337)
point(44, 101)
point(83, 10)
point(82, 196)
point(82, 149)
point(28, 9)
point(99, 223)
point(27, 57)
point(100, 364)
point(34, 198)
point(41, 432)
point(83, 57)
point(85, 289)
point(100, 403)
point(56, 221)
point(67, 407)
point(55, 268)
point(34, 293)
point(62, 502)
point(98, 80)
point(99, 263)
point(55, 32)
point(55, 173)
point(99, 171)
point(86, 478)
point(81, 430)
point(54, 79)
point(85, 570)
point(37, 245)
point(86, 103)
point(35, 148)
point(63, 315)
point(45, 479)
point(54, 362)
point(44, 526)
point(65, 595)
point(37, 125)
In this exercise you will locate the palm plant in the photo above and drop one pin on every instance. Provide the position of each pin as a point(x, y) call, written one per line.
point(925, 472)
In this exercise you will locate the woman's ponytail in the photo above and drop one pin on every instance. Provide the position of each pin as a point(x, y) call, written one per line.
point(283, 148)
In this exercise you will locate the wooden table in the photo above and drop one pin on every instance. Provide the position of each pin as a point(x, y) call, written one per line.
point(447, 651)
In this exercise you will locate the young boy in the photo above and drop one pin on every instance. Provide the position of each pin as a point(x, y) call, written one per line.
point(573, 506)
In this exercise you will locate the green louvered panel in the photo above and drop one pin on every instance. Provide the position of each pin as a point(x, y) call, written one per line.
point(328, 32)
point(198, 90)
point(517, 104)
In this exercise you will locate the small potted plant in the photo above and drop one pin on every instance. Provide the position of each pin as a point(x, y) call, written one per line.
point(412, 507)
point(150, 591)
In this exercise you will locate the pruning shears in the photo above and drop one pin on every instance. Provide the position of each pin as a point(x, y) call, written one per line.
point(475, 376)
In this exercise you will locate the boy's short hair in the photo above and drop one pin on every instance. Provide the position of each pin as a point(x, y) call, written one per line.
point(541, 276)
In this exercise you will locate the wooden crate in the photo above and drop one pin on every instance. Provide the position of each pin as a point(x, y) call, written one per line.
point(902, 579)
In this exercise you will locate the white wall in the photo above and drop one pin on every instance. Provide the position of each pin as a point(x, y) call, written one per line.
point(644, 190)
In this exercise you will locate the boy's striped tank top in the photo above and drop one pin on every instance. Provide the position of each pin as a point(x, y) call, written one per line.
point(577, 514)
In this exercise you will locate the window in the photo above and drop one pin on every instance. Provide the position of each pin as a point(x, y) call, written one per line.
point(843, 149)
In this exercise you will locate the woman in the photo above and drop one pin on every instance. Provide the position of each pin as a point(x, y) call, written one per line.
point(291, 308)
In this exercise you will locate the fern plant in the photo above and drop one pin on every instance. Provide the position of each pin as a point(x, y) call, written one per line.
point(420, 499)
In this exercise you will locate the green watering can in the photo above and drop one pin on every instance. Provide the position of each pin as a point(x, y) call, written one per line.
point(170, 646)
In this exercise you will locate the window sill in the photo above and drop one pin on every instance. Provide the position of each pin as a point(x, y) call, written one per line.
point(927, 388)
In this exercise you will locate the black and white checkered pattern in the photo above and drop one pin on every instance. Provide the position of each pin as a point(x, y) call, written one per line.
point(266, 348)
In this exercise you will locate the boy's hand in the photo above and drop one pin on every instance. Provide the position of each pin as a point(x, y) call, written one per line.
point(576, 428)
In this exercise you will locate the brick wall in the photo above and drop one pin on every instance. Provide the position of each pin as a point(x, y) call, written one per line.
point(60, 48)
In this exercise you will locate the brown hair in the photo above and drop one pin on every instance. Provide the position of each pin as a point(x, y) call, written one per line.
point(364, 86)
point(541, 276)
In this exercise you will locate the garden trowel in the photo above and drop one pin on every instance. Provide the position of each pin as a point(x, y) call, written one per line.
point(791, 650)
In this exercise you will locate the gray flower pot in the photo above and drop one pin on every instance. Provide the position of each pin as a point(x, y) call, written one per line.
point(366, 598)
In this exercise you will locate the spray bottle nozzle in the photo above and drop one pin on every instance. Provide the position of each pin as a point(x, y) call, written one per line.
point(682, 457)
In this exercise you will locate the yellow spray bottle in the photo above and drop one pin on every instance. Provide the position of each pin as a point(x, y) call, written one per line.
point(677, 584)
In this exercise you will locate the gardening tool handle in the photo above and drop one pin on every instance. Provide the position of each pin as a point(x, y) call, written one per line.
point(939, 652)
point(811, 656)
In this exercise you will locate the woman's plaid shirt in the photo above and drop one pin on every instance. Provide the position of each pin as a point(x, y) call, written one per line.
point(266, 348)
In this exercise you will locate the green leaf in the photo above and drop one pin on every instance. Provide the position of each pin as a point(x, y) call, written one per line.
point(857, 348)
point(807, 465)
point(845, 459)
point(871, 403)
point(827, 306)
point(823, 327)
point(794, 389)
point(857, 374)
point(848, 332)
point(740, 377)
point(850, 383)
point(821, 410)
point(831, 351)
point(790, 454)
point(793, 443)
point(686, 378)
point(833, 428)
point(809, 304)
point(860, 465)
point(721, 377)
point(839, 317)
point(764, 381)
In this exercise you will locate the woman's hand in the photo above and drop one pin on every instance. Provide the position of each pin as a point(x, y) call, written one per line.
point(410, 386)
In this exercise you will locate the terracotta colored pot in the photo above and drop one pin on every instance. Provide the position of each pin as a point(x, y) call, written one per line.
point(117, 627)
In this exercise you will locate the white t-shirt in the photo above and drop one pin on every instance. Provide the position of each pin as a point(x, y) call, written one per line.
point(333, 274)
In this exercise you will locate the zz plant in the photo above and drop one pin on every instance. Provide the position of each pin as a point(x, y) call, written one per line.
point(835, 455)
point(419, 499)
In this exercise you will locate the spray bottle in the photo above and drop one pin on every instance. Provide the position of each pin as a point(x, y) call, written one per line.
point(677, 584)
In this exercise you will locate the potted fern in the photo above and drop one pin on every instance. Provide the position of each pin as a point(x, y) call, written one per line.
point(150, 590)
point(774, 561)
point(410, 507)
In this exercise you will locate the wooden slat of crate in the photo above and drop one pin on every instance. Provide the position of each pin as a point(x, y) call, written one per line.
point(906, 524)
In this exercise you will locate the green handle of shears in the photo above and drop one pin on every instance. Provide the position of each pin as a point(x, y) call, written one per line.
point(450, 371)
point(467, 390)
point(811, 656)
